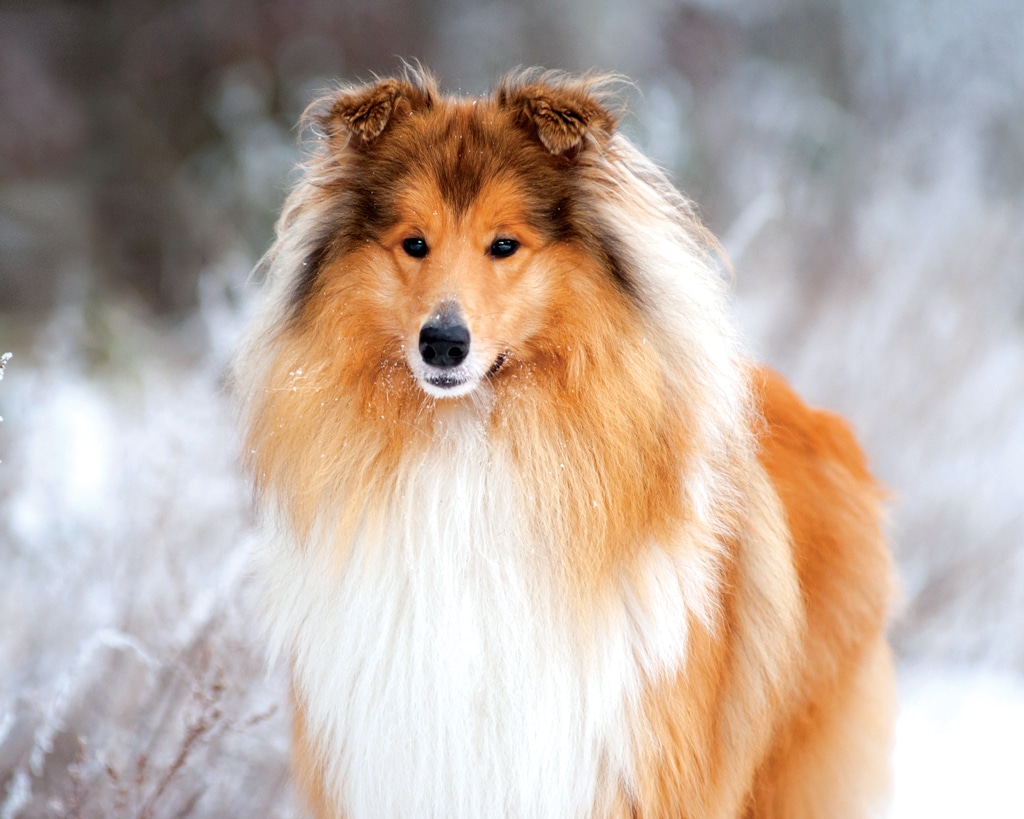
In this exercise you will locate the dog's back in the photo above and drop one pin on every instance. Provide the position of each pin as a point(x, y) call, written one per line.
point(831, 757)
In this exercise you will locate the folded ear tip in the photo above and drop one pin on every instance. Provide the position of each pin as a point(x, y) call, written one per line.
point(561, 110)
point(364, 112)
point(559, 129)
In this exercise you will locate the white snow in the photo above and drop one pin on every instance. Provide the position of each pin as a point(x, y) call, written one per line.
point(959, 746)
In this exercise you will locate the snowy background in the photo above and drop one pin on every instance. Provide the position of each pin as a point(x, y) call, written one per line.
point(862, 160)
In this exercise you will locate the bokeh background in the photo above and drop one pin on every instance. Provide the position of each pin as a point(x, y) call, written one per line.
point(862, 160)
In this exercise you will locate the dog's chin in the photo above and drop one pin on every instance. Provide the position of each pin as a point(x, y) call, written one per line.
point(456, 382)
point(447, 384)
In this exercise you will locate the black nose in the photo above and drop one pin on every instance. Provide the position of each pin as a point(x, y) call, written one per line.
point(444, 343)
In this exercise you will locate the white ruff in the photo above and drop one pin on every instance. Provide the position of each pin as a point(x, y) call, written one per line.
point(439, 665)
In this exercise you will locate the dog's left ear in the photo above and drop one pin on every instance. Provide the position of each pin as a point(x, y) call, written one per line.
point(561, 114)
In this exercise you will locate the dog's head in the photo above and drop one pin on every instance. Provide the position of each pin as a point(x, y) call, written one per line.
point(453, 230)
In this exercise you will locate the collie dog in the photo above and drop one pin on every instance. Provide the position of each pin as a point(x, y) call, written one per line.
point(541, 539)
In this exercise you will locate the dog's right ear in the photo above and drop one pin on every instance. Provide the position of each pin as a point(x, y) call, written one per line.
point(358, 116)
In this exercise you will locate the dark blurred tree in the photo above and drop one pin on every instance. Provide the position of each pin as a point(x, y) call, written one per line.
point(120, 152)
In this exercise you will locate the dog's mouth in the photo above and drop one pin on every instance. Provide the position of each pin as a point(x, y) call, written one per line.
point(448, 384)
point(457, 381)
point(447, 381)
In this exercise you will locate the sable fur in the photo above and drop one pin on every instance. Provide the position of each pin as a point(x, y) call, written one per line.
point(610, 568)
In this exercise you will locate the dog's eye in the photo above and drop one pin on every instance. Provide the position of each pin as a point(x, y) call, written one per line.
point(503, 248)
point(415, 246)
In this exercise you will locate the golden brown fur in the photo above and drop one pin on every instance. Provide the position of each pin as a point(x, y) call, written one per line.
point(706, 550)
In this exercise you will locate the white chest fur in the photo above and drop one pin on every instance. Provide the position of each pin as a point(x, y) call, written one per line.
point(439, 666)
